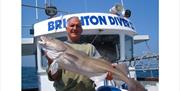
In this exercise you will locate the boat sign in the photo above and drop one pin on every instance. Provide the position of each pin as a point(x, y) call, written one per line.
point(89, 21)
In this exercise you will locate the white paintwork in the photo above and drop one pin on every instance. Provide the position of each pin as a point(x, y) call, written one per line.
point(45, 84)
point(28, 46)
point(122, 46)
point(140, 38)
point(152, 88)
point(90, 21)
point(132, 72)
point(27, 41)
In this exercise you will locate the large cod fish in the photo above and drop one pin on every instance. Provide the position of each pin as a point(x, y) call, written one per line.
point(78, 62)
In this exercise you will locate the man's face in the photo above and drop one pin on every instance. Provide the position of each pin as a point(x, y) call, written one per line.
point(74, 29)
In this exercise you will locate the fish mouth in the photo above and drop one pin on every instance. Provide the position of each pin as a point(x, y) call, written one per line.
point(42, 42)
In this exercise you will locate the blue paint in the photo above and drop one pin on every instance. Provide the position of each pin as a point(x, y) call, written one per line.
point(92, 20)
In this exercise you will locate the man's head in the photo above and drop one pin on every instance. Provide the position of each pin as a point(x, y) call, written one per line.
point(74, 29)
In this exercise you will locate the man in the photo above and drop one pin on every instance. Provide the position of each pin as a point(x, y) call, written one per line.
point(69, 81)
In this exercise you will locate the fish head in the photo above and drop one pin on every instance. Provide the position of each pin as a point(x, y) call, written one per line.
point(52, 44)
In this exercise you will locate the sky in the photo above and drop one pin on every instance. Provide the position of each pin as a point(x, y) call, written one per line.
point(145, 16)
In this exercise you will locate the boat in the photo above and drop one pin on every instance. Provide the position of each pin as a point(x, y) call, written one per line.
point(113, 36)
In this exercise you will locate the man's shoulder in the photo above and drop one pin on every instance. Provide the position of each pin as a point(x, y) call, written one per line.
point(88, 44)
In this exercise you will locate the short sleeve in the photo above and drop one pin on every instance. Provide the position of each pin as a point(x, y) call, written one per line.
point(94, 52)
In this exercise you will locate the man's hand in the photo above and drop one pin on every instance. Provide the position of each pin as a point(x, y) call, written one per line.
point(52, 75)
point(56, 76)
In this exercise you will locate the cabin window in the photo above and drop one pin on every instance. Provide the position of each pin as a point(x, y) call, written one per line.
point(107, 45)
point(128, 47)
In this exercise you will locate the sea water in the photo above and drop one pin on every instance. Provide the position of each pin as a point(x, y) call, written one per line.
point(30, 79)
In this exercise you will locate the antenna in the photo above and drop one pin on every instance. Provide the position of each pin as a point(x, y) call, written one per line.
point(45, 3)
point(50, 3)
point(31, 6)
point(122, 3)
point(37, 17)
